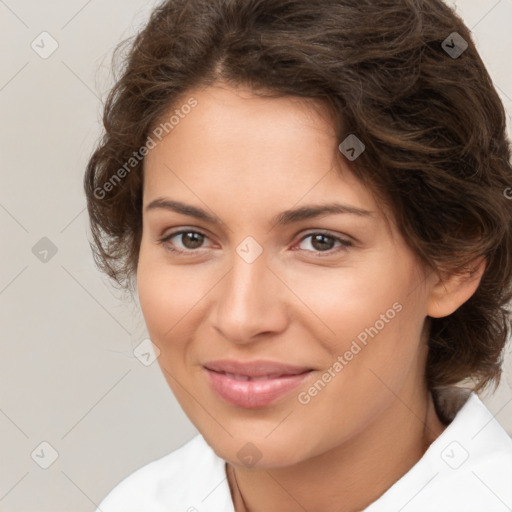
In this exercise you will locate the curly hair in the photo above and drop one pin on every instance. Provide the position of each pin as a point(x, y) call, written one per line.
point(434, 128)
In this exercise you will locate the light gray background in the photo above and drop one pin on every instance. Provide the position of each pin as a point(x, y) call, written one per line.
point(68, 373)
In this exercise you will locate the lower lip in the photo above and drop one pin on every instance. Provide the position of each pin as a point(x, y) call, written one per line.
point(252, 394)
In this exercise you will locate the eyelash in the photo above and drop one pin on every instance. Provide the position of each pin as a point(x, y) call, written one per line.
point(344, 244)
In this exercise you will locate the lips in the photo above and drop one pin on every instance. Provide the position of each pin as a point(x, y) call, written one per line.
point(255, 369)
point(253, 384)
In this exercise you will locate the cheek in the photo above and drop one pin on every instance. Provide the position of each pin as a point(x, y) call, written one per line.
point(160, 294)
point(169, 295)
point(375, 317)
point(347, 300)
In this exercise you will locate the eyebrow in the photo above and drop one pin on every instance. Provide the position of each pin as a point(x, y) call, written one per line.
point(281, 219)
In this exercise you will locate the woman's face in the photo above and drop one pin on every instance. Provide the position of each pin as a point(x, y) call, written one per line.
point(290, 331)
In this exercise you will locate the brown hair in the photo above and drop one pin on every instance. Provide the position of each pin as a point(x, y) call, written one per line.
point(432, 123)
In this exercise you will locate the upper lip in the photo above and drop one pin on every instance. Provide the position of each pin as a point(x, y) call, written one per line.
point(255, 368)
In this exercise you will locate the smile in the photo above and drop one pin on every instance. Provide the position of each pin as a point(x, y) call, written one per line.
point(254, 384)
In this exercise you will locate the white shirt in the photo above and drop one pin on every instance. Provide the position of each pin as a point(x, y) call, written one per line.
point(468, 468)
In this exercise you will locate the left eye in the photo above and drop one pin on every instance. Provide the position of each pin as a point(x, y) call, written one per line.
point(323, 242)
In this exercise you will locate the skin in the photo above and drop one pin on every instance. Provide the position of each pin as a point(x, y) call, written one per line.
point(244, 159)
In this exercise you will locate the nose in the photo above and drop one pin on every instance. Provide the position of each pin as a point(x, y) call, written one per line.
point(251, 302)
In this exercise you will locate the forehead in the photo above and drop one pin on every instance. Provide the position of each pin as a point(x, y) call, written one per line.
point(264, 154)
point(234, 129)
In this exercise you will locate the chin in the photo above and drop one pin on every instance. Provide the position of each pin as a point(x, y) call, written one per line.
point(246, 451)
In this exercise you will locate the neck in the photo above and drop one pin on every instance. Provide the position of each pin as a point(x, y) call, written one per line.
point(350, 476)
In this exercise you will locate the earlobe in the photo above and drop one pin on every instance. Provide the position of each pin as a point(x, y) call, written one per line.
point(449, 292)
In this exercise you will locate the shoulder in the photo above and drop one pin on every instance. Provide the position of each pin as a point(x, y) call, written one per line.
point(468, 468)
point(473, 459)
point(182, 478)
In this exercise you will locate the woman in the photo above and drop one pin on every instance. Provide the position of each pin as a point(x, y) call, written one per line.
point(310, 201)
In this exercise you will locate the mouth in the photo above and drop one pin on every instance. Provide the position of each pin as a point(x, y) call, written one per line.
point(255, 369)
point(253, 384)
point(246, 377)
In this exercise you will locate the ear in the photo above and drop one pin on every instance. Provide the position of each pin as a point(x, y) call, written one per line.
point(449, 292)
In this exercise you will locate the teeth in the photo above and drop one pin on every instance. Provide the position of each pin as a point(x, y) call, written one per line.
point(245, 377)
point(237, 377)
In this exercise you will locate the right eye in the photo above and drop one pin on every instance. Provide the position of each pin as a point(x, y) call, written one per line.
point(190, 241)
